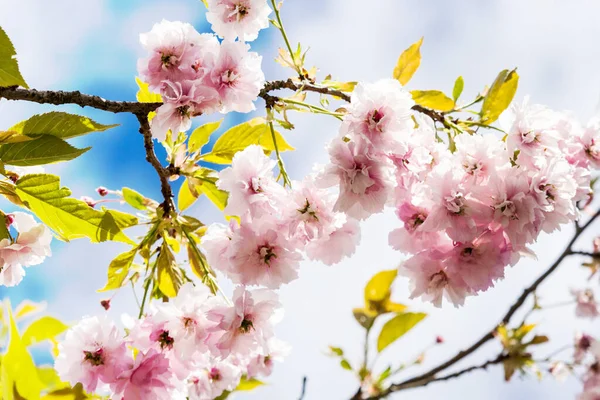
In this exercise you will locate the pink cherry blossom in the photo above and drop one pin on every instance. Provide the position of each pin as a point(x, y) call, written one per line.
point(210, 382)
point(410, 238)
point(241, 19)
point(338, 243)
point(587, 306)
point(262, 363)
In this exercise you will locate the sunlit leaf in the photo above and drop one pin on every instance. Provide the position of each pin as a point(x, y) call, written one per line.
point(248, 384)
point(169, 280)
point(408, 63)
point(133, 198)
point(345, 364)
point(205, 182)
point(28, 307)
point(201, 135)
point(255, 131)
point(364, 317)
point(186, 197)
point(42, 329)
point(9, 68)
point(45, 149)
point(118, 270)
point(459, 85)
point(397, 327)
point(67, 217)
point(378, 287)
point(336, 350)
point(499, 96)
point(144, 95)
point(343, 86)
point(433, 99)
point(60, 124)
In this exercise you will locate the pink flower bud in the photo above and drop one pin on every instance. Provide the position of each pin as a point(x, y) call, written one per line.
point(439, 339)
point(102, 191)
point(9, 219)
point(105, 304)
point(90, 202)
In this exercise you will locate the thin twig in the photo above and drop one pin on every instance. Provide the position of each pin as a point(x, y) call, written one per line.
point(303, 390)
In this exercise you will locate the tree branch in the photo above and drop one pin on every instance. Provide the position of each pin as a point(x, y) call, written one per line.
point(60, 97)
point(429, 376)
point(163, 173)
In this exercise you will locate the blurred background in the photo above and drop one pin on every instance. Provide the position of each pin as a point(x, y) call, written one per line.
point(93, 46)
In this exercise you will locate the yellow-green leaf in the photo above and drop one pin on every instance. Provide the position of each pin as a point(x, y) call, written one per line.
point(205, 181)
point(397, 327)
point(255, 131)
point(42, 329)
point(459, 85)
point(44, 149)
point(248, 384)
point(205, 2)
point(169, 280)
point(201, 135)
point(144, 95)
point(133, 198)
point(118, 270)
point(364, 317)
point(13, 137)
point(433, 99)
point(499, 96)
point(378, 288)
point(69, 218)
point(9, 68)
point(345, 364)
point(18, 368)
point(186, 197)
point(28, 307)
point(343, 86)
point(408, 63)
point(60, 124)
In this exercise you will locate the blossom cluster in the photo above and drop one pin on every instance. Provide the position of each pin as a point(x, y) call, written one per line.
point(31, 247)
point(275, 225)
point(196, 74)
point(467, 208)
point(194, 347)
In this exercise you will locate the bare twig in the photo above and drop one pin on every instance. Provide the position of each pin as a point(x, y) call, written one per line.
point(303, 390)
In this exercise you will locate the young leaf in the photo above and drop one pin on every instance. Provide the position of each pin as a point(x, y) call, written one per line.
point(133, 198)
point(201, 135)
point(60, 124)
point(42, 329)
point(4, 233)
point(345, 364)
point(67, 217)
point(255, 131)
point(248, 384)
point(18, 370)
point(118, 270)
point(408, 63)
point(186, 196)
point(396, 327)
point(499, 96)
point(364, 317)
point(169, 281)
point(205, 182)
point(433, 99)
point(144, 95)
point(205, 2)
point(43, 150)
point(378, 288)
point(28, 307)
point(459, 85)
point(9, 68)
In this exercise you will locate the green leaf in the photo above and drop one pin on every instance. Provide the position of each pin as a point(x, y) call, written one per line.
point(255, 131)
point(364, 317)
point(13, 137)
point(201, 135)
point(186, 196)
point(337, 351)
point(27, 307)
point(42, 329)
point(133, 198)
point(18, 368)
point(169, 281)
point(118, 270)
point(459, 85)
point(9, 68)
point(4, 233)
point(408, 63)
point(67, 217)
point(433, 99)
point(60, 124)
point(248, 384)
point(144, 95)
point(343, 86)
point(499, 96)
point(345, 364)
point(379, 286)
point(206, 182)
point(42, 150)
point(396, 327)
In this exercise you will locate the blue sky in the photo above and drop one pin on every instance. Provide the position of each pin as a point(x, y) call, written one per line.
point(92, 46)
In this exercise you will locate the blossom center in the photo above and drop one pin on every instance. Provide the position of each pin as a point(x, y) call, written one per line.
point(228, 77)
point(308, 210)
point(168, 60)
point(95, 358)
point(246, 325)
point(374, 120)
point(266, 254)
point(165, 340)
point(508, 209)
point(438, 280)
point(255, 185)
point(455, 203)
point(214, 374)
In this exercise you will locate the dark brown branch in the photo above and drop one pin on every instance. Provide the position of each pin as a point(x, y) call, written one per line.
point(305, 86)
point(60, 97)
point(586, 253)
point(429, 376)
point(163, 173)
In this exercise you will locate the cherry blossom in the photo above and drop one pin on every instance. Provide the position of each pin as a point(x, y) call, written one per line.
point(241, 19)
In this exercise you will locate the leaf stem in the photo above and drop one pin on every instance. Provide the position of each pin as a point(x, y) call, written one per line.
point(282, 171)
point(285, 38)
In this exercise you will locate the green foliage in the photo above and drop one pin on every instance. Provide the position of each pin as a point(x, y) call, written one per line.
point(134, 199)
point(169, 277)
point(499, 96)
point(201, 135)
point(45, 328)
point(433, 99)
point(67, 217)
point(459, 85)
point(118, 270)
point(408, 63)
point(43, 150)
point(397, 327)
point(255, 131)
point(203, 181)
point(4, 233)
point(9, 68)
point(59, 124)
point(516, 343)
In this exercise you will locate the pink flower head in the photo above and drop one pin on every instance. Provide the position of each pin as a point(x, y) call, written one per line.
point(590, 140)
point(31, 247)
point(587, 306)
point(410, 238)
point(338, 243)
point(150, 377)
point(246, 324)
point(262, 363)
point(431, 281)
point(364, 182)
point(242, 19)
point(261, 254)
point(251, 184)
point(210, 382)
point(583, 344)
point(380, 113)
point(238, 77)
point(480, 156)
point(173, 47)
point(93, 353)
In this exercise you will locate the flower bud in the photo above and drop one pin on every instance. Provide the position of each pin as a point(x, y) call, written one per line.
point(105, 304)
